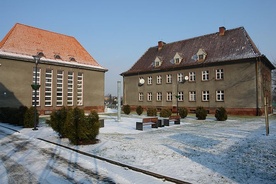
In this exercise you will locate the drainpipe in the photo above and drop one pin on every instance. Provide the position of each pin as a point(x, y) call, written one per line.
point(257, 87)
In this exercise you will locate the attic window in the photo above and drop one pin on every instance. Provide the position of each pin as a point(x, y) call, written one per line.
point(157, 62)
point(72, 59)
point(201, 55)
point(40, 54)
point(57, 56)
point(177, 59)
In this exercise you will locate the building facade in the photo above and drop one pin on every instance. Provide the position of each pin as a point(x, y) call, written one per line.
point(223, 69)
point(67, 74)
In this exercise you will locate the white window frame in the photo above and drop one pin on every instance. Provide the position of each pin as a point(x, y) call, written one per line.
point(169, 96)
point(180, 77)
point(205, 75)
point(59, 97)
point(220, 96)
point(48, 87)
point(38, 92)
point(159, 96)
point(149, 96)
point(169, 78)
point(192, 96)
point(205, 96)
point(70, 88)
point(80, 89)
point(158, 79)
point(192, 76)
point(141, 97)
point(149, 80)
point(219, 74)
point(180, 96)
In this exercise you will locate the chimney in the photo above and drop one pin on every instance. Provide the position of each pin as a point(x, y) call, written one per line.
point(160, 45)
point(222, 31)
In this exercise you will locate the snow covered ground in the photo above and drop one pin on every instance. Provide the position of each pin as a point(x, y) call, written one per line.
point(196, 151)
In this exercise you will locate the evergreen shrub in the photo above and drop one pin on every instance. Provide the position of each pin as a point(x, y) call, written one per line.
point(29, 118)
point(165, 113)
point(201, 113)
point(139, 110)
point(183, 112)
point(57, 121)
point(221, 114)
point(126, 109)
point(151, 112)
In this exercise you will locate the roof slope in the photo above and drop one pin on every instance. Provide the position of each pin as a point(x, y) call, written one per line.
point(28, 41)
point(234, 45)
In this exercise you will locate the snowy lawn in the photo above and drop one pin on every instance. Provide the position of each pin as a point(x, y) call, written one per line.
point(196, 151)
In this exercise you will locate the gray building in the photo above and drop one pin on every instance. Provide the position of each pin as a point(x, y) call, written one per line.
point(67, 73)
point(223, 69)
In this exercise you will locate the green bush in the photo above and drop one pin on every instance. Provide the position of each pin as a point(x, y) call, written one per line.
point(57, 121)
point(139, 110)
point(165, 113)
point(92, 125)
point(221, 114)
point(201, 113)
point(21, 115)
point(126, 109)
point(151, 112)
point(183, 112)
point(29, 118)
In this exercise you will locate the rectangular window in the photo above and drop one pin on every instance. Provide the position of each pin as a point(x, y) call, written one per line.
point(205, 96)
point(159, 96)
point(141, 97)
point(59, 88)
point(180, 77)
point(169, 96)
point(192, 96)
point(220, 95)
point(70, 88)
point(149, 80)
point(37, 91)
point(80, 89)
point(169, 78)
point(159, 79)
point(180, 96)
point(48, 87)
point(205, 75)
point(219, 74)
point(191, 76)
point(149, 96)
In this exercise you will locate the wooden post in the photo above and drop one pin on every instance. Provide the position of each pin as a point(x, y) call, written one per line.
point(266, 116)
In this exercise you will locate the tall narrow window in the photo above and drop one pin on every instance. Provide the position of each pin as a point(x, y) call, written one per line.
point(141, 97)
point(37, 91)
point(80, 89)
point(70, 88)
point(169, 78)
point(205, 75)
point(192, 96)
point(219, 74)
point(59, 88)
point(149, 80)
point(48, 87)
point(220, 95)
point(159, 96)
point(191, 76)
point(149, 96)
point(180, 77)
point(180, 96)
point(205, 96)
point(159, 79)
point(169, 96)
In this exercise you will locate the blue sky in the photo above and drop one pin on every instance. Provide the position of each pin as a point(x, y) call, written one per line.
point(118, 32)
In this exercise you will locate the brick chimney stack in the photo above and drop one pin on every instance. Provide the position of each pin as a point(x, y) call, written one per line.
point(160, 45)
point(222, 31)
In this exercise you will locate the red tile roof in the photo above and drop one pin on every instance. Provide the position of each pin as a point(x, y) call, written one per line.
point(231, 46)
point(28, 41)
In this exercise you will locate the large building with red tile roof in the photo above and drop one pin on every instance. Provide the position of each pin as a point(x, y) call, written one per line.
point(67, 73)
point(222, 69)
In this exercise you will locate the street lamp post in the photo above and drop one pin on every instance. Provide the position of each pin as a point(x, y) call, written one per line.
point(35, 87)
point(177, 95)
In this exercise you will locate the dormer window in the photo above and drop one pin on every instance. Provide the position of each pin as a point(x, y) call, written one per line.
point(177, 58)
point(201, 55)
point(72, 59)
point(40, 54)
point(57, 56)
point(157, 62)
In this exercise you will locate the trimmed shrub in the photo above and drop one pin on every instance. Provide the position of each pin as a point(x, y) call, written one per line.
point(57, 121)
point(201, 113)
point(151, 112)
point(221, 114)
point(165, 113)
point(92, 125)
point(183, 112)
point(29, 118)
point(126, 109)
point(139, 110)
